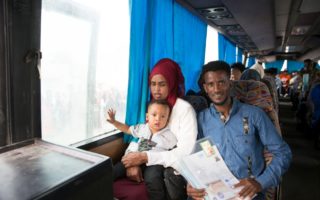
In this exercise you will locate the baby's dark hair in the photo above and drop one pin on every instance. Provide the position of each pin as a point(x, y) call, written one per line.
point(159, 102)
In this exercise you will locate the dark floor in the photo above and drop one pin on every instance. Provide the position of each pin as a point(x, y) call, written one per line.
point(302, 181)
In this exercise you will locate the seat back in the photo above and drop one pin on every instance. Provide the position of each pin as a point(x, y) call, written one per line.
point(271, 84)
point(198, 103)
point(256, 93)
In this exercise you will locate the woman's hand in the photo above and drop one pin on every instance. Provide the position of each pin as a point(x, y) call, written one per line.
point(134, 159)
point(111, 118)
point(196, 194)
point(135, 174)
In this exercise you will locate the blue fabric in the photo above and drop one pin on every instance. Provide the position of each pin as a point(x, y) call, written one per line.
point(294, 66)
point(227, 50)
point(161, 29)
point(240, 54)
point(190, 35)
point(251, 61)
point(275, 64)
point(242, 148)
point(315, 98)
point(138, 64)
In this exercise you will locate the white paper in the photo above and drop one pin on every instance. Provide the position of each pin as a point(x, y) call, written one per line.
point(207, 169)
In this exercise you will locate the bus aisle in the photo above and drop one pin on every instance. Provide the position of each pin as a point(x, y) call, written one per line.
point(302, 180)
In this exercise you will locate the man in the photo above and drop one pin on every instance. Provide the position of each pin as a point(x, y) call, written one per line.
point(236, 71)
point(241, 132)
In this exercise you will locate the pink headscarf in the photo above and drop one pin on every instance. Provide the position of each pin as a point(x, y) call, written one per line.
point(171, 71)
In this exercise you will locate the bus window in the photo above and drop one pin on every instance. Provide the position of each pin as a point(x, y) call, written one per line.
point(85, 45)
point(211, 45)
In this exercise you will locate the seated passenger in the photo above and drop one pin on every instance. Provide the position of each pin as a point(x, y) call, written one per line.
point(167, 83)
point(241, 132)
point(153, 136)
point(250, 74)
point(258, 67)
point(236, 71)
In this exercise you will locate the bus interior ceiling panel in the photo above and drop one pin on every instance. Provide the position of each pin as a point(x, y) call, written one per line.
point(292, 31)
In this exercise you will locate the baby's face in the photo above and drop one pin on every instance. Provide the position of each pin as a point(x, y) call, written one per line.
point(157, 116)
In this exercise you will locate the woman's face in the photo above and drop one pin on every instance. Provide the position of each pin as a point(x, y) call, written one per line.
point(159, 87)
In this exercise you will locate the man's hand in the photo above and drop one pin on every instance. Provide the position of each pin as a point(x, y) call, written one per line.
point(250, 187)
point(135, 174)
point(196, 194)
point(134, 159)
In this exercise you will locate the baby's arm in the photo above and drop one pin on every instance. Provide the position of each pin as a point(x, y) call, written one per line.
point(112, 120)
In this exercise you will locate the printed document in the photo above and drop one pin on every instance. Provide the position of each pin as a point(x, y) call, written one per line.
point(205, 168)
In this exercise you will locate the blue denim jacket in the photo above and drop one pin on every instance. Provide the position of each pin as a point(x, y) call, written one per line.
point(242, 139)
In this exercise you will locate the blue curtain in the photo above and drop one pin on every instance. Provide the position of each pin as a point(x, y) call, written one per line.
point(275, 64)
point(190, 35)
point(138, 63)
point(227, 50)
point(294, 66)
point(239, 56)
point(161, 29)
point(251, 61)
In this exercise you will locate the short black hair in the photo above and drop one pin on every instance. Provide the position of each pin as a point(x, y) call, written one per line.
point(214, 66)
point(159, 102)
point(239, 66)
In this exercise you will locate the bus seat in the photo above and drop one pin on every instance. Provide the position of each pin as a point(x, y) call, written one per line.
point(198, 103)
point(124, 189)
point(258, 94)
point(271, 84)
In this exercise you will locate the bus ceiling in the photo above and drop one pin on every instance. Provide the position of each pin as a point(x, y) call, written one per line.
point(284, 29)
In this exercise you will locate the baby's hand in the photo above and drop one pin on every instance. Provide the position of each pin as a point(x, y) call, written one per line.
point(111, 118)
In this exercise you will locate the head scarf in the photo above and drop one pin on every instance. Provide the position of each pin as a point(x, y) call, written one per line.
point(171, 71)
point(250, 74)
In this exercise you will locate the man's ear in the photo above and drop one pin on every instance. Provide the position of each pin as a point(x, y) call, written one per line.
point(204, 87)
point(147, 117)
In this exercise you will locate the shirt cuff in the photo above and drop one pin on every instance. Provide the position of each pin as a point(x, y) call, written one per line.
point(265, 181)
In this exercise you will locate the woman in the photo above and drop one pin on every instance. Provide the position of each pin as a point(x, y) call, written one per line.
point(167, 82)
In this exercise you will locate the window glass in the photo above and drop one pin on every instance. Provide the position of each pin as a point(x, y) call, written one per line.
point(211, 45)
point(84, 69)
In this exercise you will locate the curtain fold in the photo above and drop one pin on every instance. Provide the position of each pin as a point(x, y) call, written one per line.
point(161, 29)
point(239, 55)
point(138, 64)
point(227, 50)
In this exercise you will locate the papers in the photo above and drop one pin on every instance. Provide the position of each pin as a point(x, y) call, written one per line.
point(205, 168)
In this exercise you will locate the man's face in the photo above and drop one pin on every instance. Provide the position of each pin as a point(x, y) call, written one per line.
point(235, 74)
point(217, 86)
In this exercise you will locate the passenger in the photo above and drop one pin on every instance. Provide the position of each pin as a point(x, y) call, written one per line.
point(250, 74)
point(285, 79)
point(236, 71)
point(295, 85)
point(240, 132)
point(153, 136)
point(167, 83)
point(258, 67)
